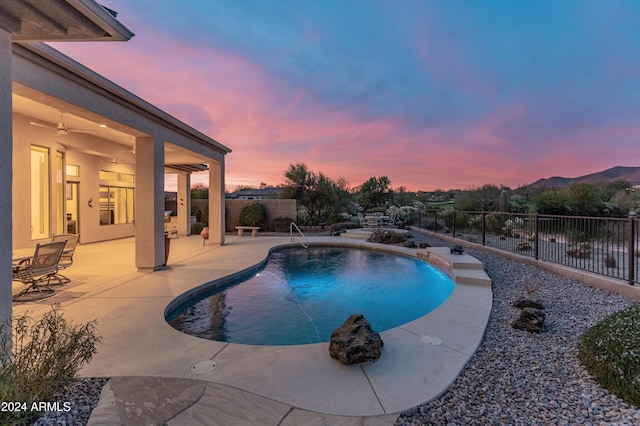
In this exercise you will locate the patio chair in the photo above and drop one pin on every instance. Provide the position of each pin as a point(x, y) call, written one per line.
point(66, 258)
point(390, 222)
point(372, 222)
point(38, 272)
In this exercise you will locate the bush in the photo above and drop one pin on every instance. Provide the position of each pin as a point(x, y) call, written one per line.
point(609, 351)
point(37, 358)
point(253, 215)
point(281, 224)
point(196, 228)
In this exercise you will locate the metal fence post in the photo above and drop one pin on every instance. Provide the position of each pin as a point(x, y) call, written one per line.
point(632, 249)
point(484, 228)
point(537, 237)
point(435, 220)
point(454, 223)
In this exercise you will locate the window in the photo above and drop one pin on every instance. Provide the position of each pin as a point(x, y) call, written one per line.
point(116, 198)
point(72, 170)
point(116, 205)
point(40, 193)
point(61, 223)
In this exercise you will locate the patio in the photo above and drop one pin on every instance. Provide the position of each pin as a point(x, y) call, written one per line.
point(294, 381)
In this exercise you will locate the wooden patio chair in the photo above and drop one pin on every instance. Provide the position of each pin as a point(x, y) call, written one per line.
point(37, 272)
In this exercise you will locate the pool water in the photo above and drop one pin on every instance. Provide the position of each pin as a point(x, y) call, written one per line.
point(302, 295)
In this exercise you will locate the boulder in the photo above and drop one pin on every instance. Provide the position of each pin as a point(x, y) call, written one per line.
point(355, 341)
point(531, 320)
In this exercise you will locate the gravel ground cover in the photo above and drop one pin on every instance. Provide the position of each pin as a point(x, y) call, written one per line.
point(519, 378)
point(515, 377)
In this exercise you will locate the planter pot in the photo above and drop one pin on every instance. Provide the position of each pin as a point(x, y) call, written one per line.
point(204, 234)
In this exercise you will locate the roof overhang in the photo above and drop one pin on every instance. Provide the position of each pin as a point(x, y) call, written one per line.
point(189, 168)
point(60, 20)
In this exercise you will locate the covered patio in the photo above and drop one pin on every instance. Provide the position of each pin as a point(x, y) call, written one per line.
point(84, 155)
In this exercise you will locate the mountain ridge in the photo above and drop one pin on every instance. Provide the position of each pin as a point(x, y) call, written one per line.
point(630, 174)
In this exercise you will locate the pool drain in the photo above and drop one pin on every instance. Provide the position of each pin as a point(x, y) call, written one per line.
point(431, 340)
point(203, 367)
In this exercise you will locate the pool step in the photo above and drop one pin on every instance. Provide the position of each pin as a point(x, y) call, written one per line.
point(462, 268)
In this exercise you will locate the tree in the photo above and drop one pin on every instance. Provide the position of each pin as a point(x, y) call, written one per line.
point(375, 192)
point(485, 198)
point(319, 198)
point(199, 191)
point(551, 201)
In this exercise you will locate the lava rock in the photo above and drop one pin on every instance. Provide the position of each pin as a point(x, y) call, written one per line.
point(457, 249)
point(355, 341)
point(527, 303)
point(531, 320)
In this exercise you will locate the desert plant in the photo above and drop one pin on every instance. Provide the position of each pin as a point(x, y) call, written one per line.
point(39, 357)
point(196, 228)
point(610, 261)
point(609, 351)
point(281, 224)
point(253, 215)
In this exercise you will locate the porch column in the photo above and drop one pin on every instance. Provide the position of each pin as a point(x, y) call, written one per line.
point(184, 203)
point(149, 205)
point(6, 147)
point(216, 202)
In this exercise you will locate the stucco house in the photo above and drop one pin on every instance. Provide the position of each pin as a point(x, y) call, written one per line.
point(84, 155)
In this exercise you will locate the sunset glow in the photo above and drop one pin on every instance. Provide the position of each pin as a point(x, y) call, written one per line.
point(438, 94)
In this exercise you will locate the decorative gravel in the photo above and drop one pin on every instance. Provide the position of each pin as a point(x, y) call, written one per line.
point(520, 378)
point(81, 397)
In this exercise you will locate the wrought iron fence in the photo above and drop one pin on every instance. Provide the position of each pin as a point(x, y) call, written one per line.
point(606, 246)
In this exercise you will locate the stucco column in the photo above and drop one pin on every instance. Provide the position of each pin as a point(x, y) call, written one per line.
point(216, 202)
point(149, 203)
point(184, 203)
point(6, 147)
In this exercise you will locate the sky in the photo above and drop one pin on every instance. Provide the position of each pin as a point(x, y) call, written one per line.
point(433, 94)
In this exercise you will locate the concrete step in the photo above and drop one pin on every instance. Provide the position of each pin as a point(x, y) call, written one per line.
point(457, 261)
point(472, 276)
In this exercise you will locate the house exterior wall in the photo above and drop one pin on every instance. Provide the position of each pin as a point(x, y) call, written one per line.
point(89, 229)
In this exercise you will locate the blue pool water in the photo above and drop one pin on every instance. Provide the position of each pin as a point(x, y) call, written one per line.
point(302, 295)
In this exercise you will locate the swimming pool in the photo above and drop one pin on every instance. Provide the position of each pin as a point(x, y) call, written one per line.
point(301, 295)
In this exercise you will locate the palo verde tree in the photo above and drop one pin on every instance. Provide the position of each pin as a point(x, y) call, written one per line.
point(319, 197)
point(375, 192)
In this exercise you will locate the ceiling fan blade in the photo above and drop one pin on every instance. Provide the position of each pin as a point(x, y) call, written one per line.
point(81, 131)
point(33, 123)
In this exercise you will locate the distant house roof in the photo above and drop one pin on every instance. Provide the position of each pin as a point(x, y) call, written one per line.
point(256, 193)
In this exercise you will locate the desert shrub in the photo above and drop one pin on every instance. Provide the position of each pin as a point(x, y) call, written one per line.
point(39, 357)
point(609, 351)
point(253, 215)
point(281, 224)
point(387, 237)
point(196, 228)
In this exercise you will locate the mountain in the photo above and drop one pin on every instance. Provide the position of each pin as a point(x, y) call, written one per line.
point(629, 174)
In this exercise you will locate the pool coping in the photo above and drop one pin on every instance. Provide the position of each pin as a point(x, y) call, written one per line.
point(419, 361)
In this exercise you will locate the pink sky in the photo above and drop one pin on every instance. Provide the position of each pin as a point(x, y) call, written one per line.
point(437, 106)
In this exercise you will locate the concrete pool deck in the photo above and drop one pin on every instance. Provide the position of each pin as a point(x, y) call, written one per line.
point(163, 375)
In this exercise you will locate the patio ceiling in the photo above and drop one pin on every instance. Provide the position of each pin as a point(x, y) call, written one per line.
point(68, 20)
point(122, 138)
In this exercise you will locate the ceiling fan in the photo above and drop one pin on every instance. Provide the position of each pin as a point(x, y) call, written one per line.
point(61, 128)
